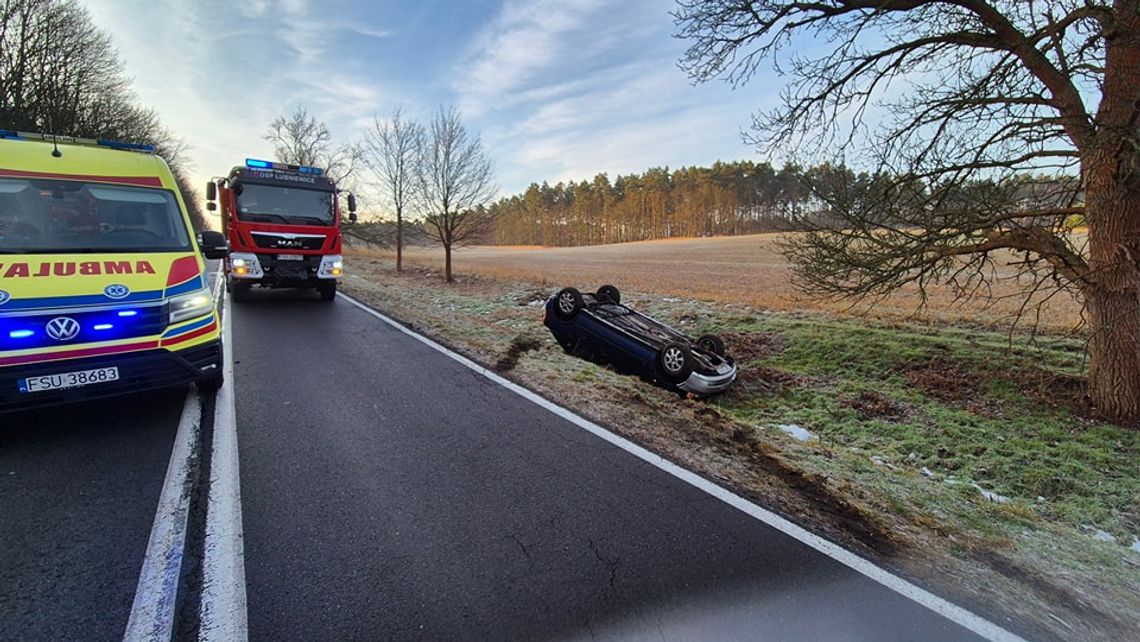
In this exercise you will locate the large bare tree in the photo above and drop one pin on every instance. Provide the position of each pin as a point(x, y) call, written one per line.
point(301, 139)
point(391, 149)
point(455, 183)
point(952, 101)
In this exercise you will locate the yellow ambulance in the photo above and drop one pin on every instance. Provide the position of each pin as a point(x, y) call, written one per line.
point(103, 284)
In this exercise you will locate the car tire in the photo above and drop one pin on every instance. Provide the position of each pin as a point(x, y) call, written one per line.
point(327, 290)
point(675, 362)
point(609, 294)
point(711, 343)
point(568, 303)
point(241, 292)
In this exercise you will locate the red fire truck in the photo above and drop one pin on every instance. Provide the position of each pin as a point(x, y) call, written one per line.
point(282, 222)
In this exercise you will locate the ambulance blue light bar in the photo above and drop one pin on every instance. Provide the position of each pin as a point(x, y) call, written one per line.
point(254, 163)
point(71, 140)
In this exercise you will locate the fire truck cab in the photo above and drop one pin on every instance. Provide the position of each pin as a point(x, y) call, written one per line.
point(282, 223)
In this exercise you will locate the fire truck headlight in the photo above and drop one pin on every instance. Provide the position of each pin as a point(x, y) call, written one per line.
point(190, 305)
point(245, 265)
point(331, 267)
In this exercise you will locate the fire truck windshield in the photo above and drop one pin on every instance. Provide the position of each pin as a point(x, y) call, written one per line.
point(288, 205)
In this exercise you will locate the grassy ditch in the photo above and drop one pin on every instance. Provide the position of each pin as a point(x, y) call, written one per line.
point(948, 454)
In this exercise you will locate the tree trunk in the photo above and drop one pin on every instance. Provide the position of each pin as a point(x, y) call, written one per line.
point(1113, 301)
point(447, 263)
point(399, 240)
point(1111, 172)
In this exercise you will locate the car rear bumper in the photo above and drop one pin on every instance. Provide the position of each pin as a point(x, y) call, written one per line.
point(138, 372)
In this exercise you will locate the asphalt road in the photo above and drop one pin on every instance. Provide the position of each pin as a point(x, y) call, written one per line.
point(388, 492)
point(79, 486)
point(78, 490)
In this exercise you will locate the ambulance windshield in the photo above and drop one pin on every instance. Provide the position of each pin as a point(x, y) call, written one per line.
point(47, 216)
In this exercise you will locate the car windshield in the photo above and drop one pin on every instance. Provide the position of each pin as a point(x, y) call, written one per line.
point(45, 216)
point(280, 204)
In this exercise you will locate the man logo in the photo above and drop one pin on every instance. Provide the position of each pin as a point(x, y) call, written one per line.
point(117, 291)
point(4, 297)
point(63, 328)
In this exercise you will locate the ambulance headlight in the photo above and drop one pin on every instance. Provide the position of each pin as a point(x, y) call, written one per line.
point(190, 305)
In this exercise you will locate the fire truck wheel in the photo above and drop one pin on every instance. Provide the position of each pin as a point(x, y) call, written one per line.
point(327, 290)
point(240, 292)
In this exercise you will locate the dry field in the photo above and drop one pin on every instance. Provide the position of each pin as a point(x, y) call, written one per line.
point(741, 269)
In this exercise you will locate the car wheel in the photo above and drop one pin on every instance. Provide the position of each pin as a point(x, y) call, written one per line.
point(711, 343)
point(675, 362)
point(610, 294)
point(240, 292)
point(568, 303)
point(327, 290)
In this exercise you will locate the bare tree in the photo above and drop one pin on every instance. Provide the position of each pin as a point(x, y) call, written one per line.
point(990, 91)
point(390, 152)
point(59, 74)
point(301, 139)
point(455, 182)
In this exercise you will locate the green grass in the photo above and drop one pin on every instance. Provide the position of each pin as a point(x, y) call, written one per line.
point(990, 428)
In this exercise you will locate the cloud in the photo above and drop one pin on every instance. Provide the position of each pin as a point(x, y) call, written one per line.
point(526, 45)
point(218, 82)
point(568, 90)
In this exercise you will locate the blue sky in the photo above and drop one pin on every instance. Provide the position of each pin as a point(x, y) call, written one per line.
point(558, 89)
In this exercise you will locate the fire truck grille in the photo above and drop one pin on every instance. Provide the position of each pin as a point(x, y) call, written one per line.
point(285, 243)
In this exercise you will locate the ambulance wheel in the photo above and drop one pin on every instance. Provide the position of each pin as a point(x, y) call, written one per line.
point(327, 290)
point(240, 292)
point(211, 383)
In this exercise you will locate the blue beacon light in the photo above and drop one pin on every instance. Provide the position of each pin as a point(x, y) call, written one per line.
point(20, 334)
point(128, 313)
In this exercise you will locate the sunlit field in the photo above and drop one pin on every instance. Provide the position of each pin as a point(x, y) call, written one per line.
point(744, 269)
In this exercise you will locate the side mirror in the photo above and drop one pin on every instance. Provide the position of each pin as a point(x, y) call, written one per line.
point(352, 217)
point(213, 244)
point(211, 206)
point(352, 204)
point(211, 191)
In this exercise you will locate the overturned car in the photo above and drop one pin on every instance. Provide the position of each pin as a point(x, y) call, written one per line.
point(600, 327)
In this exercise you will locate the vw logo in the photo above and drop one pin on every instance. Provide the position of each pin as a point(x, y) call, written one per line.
point(116, 291)
point(4, 297)
point(63, 328)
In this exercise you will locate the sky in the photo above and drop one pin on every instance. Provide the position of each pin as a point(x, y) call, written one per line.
point(557, 89)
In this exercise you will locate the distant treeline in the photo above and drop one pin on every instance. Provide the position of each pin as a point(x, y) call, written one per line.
point(728, 198)
point(748, 198)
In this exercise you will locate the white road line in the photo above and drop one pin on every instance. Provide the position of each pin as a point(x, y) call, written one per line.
point(945, 608)
point(152, 614)
point(223, 613)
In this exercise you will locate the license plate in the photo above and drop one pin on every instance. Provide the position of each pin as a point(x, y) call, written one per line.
point(290, 257)
point(63, 380)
